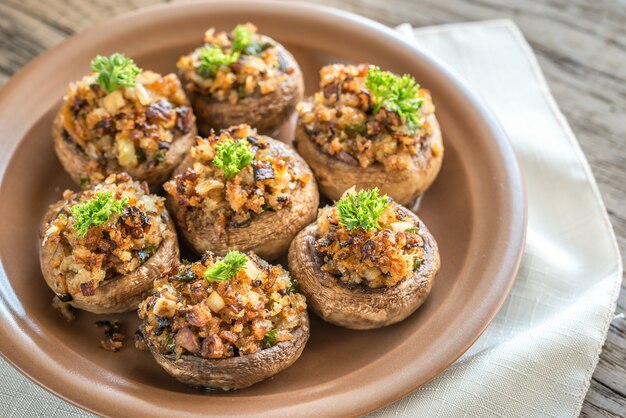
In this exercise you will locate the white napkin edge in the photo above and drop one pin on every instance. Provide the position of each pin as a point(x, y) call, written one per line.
point(409, 31)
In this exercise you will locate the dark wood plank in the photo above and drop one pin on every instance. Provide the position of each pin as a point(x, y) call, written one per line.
point(581, 47)
point(608, 395)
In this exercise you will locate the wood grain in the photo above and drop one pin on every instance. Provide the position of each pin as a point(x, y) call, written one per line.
point(581, 46)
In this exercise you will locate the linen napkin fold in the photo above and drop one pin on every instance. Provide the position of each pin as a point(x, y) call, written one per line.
point(537, 357)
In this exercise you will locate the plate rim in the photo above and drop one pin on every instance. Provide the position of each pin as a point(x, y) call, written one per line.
point(518, 229)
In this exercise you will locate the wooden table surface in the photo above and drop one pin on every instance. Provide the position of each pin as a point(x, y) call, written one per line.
point(581, 46)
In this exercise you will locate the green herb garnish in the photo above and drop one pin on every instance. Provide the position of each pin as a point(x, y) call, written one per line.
point(242, 38)
point(232, 156)
point(115, 71)
point(96, 211)
point(226, 268)
point(362, 209)
point(417, 263)
point(294, 286)
point(396, 94)
point(244, 43)
point(270, 338)
point(212, 58)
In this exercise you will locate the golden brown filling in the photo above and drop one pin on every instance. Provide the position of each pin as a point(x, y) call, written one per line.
point(113, 242)
point(234, 65)
point(348, 121)
point(219, 194)
point(374, 258)
point(129, 127)
point(214, 310)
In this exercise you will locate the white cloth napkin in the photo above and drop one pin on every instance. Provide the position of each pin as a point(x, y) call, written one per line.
point(537, 357)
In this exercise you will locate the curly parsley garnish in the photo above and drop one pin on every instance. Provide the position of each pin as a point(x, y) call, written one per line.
point(212, 58)
point(242, 38)
point(396, 94)
point(244, 42)
point(227, 267)
point(233, 156)
point(362, 209)
point(115, 71)
point(96, 211)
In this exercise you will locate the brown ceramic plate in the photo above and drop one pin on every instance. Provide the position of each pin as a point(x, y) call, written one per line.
point(476, 210)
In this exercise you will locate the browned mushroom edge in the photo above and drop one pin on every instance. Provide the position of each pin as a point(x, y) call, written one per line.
point(168, 118)
point(234, 372)
point(335, 176)
point(360, 307)
point(221, 326)
point(120, 293)
point(265, 111)
point(268, 233)
point(350, 139)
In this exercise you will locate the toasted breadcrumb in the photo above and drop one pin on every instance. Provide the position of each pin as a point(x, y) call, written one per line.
point(256, 308)
point(113, 339)
point(340, 118)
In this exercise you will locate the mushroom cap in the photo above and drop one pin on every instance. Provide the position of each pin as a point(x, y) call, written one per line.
point(121, 293)
point(360, 307)
point(268, 234)
point(78, 165)
point(266, 113)
point(234, 372)
point(336, 176)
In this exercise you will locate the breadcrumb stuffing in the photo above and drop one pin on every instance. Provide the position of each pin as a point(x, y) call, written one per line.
point(376, 258)
point(267, 183)
point(256, 71)
point(340, 118)
point(128, 128)
point(256, 309)
point(120, 245)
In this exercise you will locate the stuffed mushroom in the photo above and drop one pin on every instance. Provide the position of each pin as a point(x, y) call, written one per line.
point(101, 249)
point(225, 323)
point(241, 77)
point(123, 119)
point(370, 128)
point(239, 190)
point(366, 263)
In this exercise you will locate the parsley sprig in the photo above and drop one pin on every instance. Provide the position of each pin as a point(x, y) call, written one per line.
point(212, 58)
point(227, 267)
point(242, 38)
point(396, 94)
point(96, 211)
point(115, 71)
point(362, 209)
point(233, 156)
